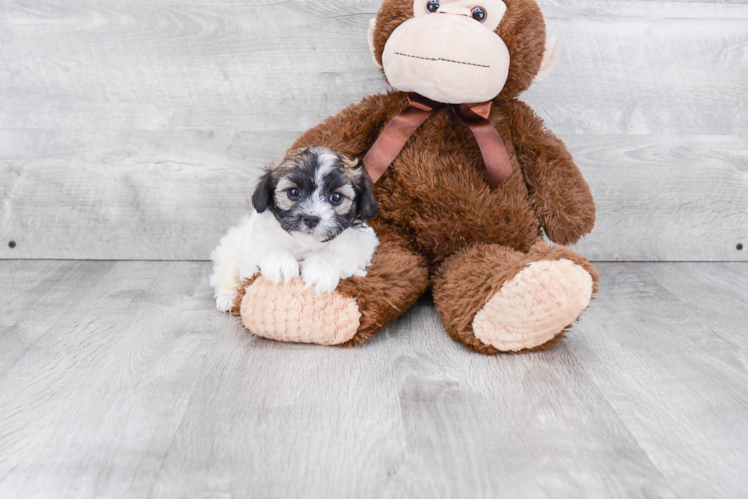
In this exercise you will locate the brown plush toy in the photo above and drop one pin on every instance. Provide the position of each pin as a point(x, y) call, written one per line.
point(466, 176)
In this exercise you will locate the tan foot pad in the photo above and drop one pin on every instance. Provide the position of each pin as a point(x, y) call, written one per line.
point(294, 313)
point(534, 306)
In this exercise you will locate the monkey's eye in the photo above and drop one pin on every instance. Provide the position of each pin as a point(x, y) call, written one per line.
point(479, 14)
point(336, 198)
point(432, 6)
point(293, 194)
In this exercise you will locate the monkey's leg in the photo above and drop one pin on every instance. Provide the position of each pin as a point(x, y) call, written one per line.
point(494, 299)
point(356, 310)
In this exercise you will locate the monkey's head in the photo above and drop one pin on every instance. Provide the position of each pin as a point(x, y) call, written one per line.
point(461, 51)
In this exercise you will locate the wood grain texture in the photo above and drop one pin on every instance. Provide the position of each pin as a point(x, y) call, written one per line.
point(128, 195)
point(133, 130)
point(120, 379)
point(624, 67)
point(675, 368)
point(665, 198)
point(97, 363)
point(646, 67)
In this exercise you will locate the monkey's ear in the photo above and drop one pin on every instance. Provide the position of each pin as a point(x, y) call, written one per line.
point(549, 59)
point(263, 195)
point(370, 39)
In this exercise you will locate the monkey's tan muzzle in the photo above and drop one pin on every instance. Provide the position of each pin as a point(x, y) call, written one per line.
point(448, 58)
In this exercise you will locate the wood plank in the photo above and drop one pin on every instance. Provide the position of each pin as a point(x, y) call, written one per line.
point(127, 194)
point(119, 379)
point(646, 67)
point(624, 67)
point(97, 363)
point(113, 194)
point(665, 198)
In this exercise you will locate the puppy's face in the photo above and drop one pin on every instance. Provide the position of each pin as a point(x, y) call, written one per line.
point(316, 193)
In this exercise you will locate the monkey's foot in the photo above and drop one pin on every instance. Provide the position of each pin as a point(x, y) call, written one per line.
point(293, 312)
point(535, 306)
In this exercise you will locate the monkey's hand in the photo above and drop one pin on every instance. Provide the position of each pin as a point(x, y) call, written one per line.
point(558, 192)
point(566, 216)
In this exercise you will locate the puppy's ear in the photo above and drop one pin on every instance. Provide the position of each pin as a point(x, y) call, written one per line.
point(352, 164)
point(264, 192)
point(367, 204)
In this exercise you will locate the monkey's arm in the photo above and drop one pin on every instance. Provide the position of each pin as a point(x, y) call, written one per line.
point(353, 131)
point(560, 196)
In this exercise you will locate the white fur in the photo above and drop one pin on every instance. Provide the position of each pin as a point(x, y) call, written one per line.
point(259, 244)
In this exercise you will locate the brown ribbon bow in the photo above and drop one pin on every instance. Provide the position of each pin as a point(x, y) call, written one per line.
point(397, 132)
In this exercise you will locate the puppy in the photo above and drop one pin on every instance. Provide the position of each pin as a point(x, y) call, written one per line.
point(308, 218)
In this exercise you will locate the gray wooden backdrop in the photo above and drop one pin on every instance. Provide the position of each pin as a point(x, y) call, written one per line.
point(134, 129)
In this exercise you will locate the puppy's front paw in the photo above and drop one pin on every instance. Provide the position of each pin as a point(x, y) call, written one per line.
point(320, 274)
point(281, 267)
point(224, 301)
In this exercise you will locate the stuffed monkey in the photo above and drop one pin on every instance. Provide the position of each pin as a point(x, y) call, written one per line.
point(467, 180)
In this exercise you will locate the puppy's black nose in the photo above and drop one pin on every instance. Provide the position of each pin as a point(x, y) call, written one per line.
point(310, 221)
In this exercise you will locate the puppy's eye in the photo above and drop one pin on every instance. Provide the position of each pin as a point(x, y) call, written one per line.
point(432, 6)
point(293, 194)
point(479, 14)
point(336, 198)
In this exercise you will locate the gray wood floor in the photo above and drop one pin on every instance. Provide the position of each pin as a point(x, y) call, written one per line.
point(118, 379)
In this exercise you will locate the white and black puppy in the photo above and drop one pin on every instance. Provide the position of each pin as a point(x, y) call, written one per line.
point(308, 218)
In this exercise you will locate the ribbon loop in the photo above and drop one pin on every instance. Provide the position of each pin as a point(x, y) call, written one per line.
point(395, 134)
point(475, 115)
point(495, 157)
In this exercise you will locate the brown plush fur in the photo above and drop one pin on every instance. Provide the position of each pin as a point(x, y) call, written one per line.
point(437, 214)
point(394, 281)
point(237, 304)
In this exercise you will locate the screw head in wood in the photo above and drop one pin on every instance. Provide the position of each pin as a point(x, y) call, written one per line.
point(12, 244)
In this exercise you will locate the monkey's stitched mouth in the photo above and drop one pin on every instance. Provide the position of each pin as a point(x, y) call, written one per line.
point(442, 59)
